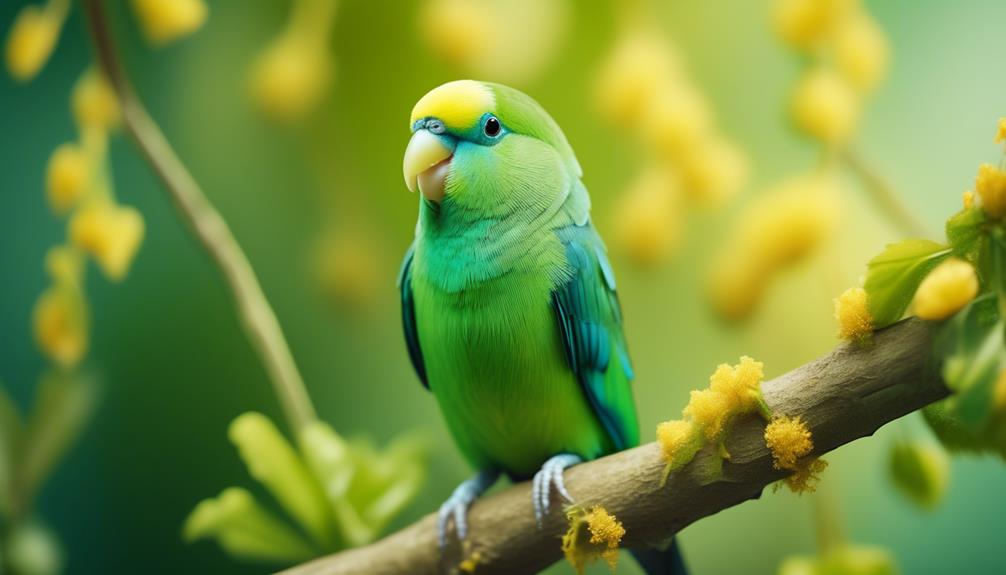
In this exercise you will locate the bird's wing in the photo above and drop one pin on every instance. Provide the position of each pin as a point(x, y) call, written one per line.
point(409, 316)
point(590, 325)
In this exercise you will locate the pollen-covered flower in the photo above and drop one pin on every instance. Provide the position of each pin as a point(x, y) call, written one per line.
point(94, 102)
point(739, 384)
point(713, 170)
point(679, 441)
point(789, 439)
point(677, 117)
point(853, 315)
point(825, 106)
point(66, 177)
point(167, 20)
point(33, 38)
point(991, 188)
point(111, 234)
point(647, 217)
point(632, 76)
point(947, 289)
point(457, 29)
point(805, 23)
point(291, 76)
point(592, 534)
point(710, 410)
point(806, 476)
point(61, 320)
point(862, 52)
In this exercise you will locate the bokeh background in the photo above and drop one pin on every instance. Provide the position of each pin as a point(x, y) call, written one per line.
point(176, 368)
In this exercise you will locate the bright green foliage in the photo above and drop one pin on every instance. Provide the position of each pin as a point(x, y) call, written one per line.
point(843, 560)
point(920, 472)
point(895, 274)
point(338, 493)
point(971, 345)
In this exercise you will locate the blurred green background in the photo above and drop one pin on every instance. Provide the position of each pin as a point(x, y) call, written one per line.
point(177, 368)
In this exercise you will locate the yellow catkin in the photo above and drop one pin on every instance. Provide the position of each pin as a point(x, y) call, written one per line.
point(66, 177)
point(806, 476)
point(713, 171)
point(65, 265)
point(32, 39)
point(991, 187)
point(789, 439)
point(111, 234)
point(637, 70)
point(166, 20)
point(647, 217)
point(862, 52)
point(1001, 131)
point(853, 315)
point(738, 384)
point(710, 410)
point(806, 23)
point(291, 77)
point(60, 321)
point(94, 103)
point(947, 289)
point(592, 534)
point(825, 106)
point(678, 117)
point(679, 441)
point(458, 30)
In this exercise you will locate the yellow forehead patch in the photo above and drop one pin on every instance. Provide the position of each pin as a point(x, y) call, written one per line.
point(458, 104)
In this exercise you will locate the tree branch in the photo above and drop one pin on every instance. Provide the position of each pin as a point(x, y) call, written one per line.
point(843, 396)
point(257, 317)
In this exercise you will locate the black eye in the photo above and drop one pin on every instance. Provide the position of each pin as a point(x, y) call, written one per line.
point(492, 127)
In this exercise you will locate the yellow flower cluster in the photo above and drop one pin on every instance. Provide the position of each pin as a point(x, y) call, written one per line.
point(292, 75)
point(164, 21)
point(512, 42)
point(991, 187)
point(1001, 131)
point(855, 323)
point(648, 217)
point(806, 476)
point(947, 289)
point(778, 229)
point(592, 534)
point(33, 37)
point(733, 390)
point(789, 439)
point(849, 57)
point(77, 186)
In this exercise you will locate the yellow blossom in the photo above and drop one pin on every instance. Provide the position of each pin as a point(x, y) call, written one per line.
point(825, 107)
point(458, 30)
point(968, 199)
point(291, 77)
point(679, 442)
point(862, 52)
point(789, 439)
point(61, 324)
point(713, 171)
point(592, 534)
point(806, 476)
point(647, 217)
point(947, 289)
point(991, 188)
point(804, 23)
point(1001, 131)
point(66, 177)
point(642, 63)
point(853, 315)
point(677, 118)
point(94, 103)
point(710, 410)
point(33, 38)
point(64, 264)
point(739, 384)
point(111, 234)
point(167, 20)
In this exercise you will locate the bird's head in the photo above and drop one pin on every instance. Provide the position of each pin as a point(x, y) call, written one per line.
point(488, 148)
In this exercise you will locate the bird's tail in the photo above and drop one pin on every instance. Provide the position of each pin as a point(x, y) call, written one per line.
point(661, 562)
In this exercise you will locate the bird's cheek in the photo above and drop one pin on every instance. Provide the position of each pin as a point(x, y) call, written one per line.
point(433, 181)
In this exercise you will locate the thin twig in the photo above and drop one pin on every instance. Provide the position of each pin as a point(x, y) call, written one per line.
point(256, 314)
point(885, 197)
point(843, 396)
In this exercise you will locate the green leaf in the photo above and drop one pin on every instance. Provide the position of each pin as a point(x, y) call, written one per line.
point(63, 406)
point(973, 350)
point(245, 529)
point(11, 430)
point(274, 463)
point(894, 275)
point(920, 472)
point(965, 232)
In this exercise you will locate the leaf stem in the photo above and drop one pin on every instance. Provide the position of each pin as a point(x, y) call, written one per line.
point(257, 316)
point(885, 197)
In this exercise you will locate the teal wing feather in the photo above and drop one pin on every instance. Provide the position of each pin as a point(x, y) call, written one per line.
point(409, 316)
point(590, 324)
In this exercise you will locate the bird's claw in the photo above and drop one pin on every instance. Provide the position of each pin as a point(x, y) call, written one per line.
point(549, 476)
point(456, 506)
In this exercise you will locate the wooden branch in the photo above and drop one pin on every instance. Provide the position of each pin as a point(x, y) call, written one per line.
point(843, 396)
point(257, 317)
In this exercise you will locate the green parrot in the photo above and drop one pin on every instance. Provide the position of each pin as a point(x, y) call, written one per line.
point(509, 306)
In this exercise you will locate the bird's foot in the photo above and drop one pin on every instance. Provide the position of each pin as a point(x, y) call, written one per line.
point(456, 506)
point(549, 476)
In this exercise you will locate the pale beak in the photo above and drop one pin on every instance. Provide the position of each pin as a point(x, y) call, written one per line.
point(426, 163)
